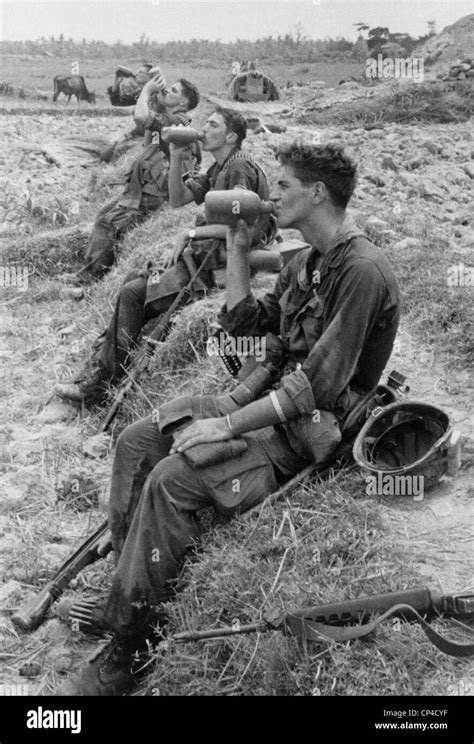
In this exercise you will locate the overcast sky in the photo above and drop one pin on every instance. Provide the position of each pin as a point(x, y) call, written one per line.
point(163, 20)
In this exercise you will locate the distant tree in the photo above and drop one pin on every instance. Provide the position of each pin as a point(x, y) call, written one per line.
point(377, 37)
point(431, 27)
point(360, 26)
point(299, 33)
point(360, 50)
point(294, 47)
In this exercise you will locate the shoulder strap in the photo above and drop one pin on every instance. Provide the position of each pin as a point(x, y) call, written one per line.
point(239, 155)
point(308, 630)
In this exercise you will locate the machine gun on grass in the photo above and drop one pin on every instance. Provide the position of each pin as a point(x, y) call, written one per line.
point(350, 619)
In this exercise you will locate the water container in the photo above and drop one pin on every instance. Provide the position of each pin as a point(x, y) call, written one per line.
point(227, 207)
point(181, 135)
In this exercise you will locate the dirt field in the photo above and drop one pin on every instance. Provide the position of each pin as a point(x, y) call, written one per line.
point(38, 73)
point(415, 198)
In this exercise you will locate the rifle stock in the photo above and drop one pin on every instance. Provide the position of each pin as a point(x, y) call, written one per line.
point(32, 613)
point(426, 602)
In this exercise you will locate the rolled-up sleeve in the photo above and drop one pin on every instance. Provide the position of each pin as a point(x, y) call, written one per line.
point(295, 388)
point(252, 317)
point(199, 185)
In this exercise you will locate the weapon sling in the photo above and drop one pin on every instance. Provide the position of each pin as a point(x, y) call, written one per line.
point(302, 625)
point(156, 335)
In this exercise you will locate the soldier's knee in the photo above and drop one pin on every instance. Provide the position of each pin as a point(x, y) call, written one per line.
point(172, 475)
point(132, 275)
point(125, 442)
point(167, 470)
point(134, 288)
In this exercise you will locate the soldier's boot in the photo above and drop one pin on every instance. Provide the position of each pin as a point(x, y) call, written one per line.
point(112, 671)
point(88, 388)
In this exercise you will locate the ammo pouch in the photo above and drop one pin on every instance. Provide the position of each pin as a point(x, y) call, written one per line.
point(179, 413)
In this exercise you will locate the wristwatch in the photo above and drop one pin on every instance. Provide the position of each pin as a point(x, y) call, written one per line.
point(191, 234)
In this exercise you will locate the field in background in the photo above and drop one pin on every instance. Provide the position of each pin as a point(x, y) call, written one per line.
point(38, 72)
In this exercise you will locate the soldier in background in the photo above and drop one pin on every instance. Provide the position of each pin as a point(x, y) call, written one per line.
point(146, 295)
point(147, 180)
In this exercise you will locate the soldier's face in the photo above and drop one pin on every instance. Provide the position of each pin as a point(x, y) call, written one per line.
point(174, 96)
point(215, 133)
point(293, 200)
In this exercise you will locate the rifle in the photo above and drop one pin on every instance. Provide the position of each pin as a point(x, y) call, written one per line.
point(331, 622)
point(98, 545)
point(32, 614)
point(160, 330)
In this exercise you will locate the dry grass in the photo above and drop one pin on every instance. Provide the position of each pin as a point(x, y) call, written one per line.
point(436, 102)
point(324, 543)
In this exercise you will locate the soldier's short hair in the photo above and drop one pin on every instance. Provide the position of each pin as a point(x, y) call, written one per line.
point(190, 92)
point(235, 122)
point(326, 163)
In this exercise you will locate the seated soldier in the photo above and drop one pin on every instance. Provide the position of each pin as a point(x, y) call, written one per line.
point(128, 139)
point(335, 308)
point(147, 182)
point(128, 85)
point(143, 298)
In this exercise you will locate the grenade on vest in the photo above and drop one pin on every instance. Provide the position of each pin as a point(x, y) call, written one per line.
point(227, 207)
point(181, 135)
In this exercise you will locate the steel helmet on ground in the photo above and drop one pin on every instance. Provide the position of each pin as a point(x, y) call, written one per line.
point(409, 438)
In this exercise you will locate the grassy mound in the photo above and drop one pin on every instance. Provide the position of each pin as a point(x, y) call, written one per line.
point(435, 102)
point(50, 252)
point(326, 544)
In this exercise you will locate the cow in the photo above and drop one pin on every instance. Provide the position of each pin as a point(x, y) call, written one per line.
point(72, 85)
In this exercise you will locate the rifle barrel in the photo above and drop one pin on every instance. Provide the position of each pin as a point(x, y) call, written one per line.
point(200, 635)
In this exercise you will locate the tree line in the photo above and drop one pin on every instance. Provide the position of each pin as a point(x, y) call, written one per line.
point(290, 48)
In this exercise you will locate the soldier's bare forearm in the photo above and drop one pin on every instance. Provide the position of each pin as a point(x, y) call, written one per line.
point(143, 115)
point(263, 412)
point(211, 231)
point(179, 194)
point(237, 276)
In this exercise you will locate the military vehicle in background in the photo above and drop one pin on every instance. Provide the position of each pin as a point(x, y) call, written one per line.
point(247, 83)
